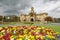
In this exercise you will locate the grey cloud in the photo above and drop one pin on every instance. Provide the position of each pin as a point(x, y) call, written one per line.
point(10, 7)
point(11, 11)
point(12, 4)
point(56, 10)
point(50, 0)
point(9, 2)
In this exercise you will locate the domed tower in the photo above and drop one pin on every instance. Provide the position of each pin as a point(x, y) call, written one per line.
point(32, 10)
point(32, 13)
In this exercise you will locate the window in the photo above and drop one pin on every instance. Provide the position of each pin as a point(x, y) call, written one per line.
point(24, 20)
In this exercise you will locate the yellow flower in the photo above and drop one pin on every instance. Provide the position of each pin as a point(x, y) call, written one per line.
point(14, 28)
point(0, 28)
point(42, 27)
point(32, 30)
point(11, 37)
point(36, 30)
point(19, 39)
point(51, 36)
point(1, 36)
point(25, 31)
point(3, 31)
point(21, 36)
point(37, 36)
point(48, 33)
point(42, 37)
point(30, 37)
point(43, 30)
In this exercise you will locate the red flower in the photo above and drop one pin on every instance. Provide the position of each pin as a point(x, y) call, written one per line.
point(33, 33)
point(39, 38)
point(6, 37)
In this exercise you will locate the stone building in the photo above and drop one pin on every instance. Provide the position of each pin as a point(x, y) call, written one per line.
point(33, 16)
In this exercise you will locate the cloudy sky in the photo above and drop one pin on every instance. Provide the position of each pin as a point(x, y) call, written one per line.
point(16, 7)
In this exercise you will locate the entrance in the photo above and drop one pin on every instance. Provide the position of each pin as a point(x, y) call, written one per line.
point(32, 20)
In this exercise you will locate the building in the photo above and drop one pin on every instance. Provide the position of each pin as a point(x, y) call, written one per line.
point(33, 16)
point(57, 20)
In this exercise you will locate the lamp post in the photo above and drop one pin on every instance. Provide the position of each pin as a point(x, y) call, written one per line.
point(8, 18)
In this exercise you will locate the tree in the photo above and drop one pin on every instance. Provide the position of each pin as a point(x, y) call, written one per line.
point(1, 17)
point(49, 19)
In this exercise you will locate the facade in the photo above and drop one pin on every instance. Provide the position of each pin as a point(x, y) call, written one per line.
point(33, 16)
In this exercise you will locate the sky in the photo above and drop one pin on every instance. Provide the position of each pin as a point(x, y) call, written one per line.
point(17, 7)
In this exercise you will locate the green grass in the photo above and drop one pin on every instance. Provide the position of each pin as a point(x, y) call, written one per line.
point(55, 28)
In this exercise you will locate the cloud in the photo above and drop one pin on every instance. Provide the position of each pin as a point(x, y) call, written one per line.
point(11, 7)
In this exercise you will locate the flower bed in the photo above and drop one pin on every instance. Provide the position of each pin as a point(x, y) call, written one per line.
point(27, 33)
